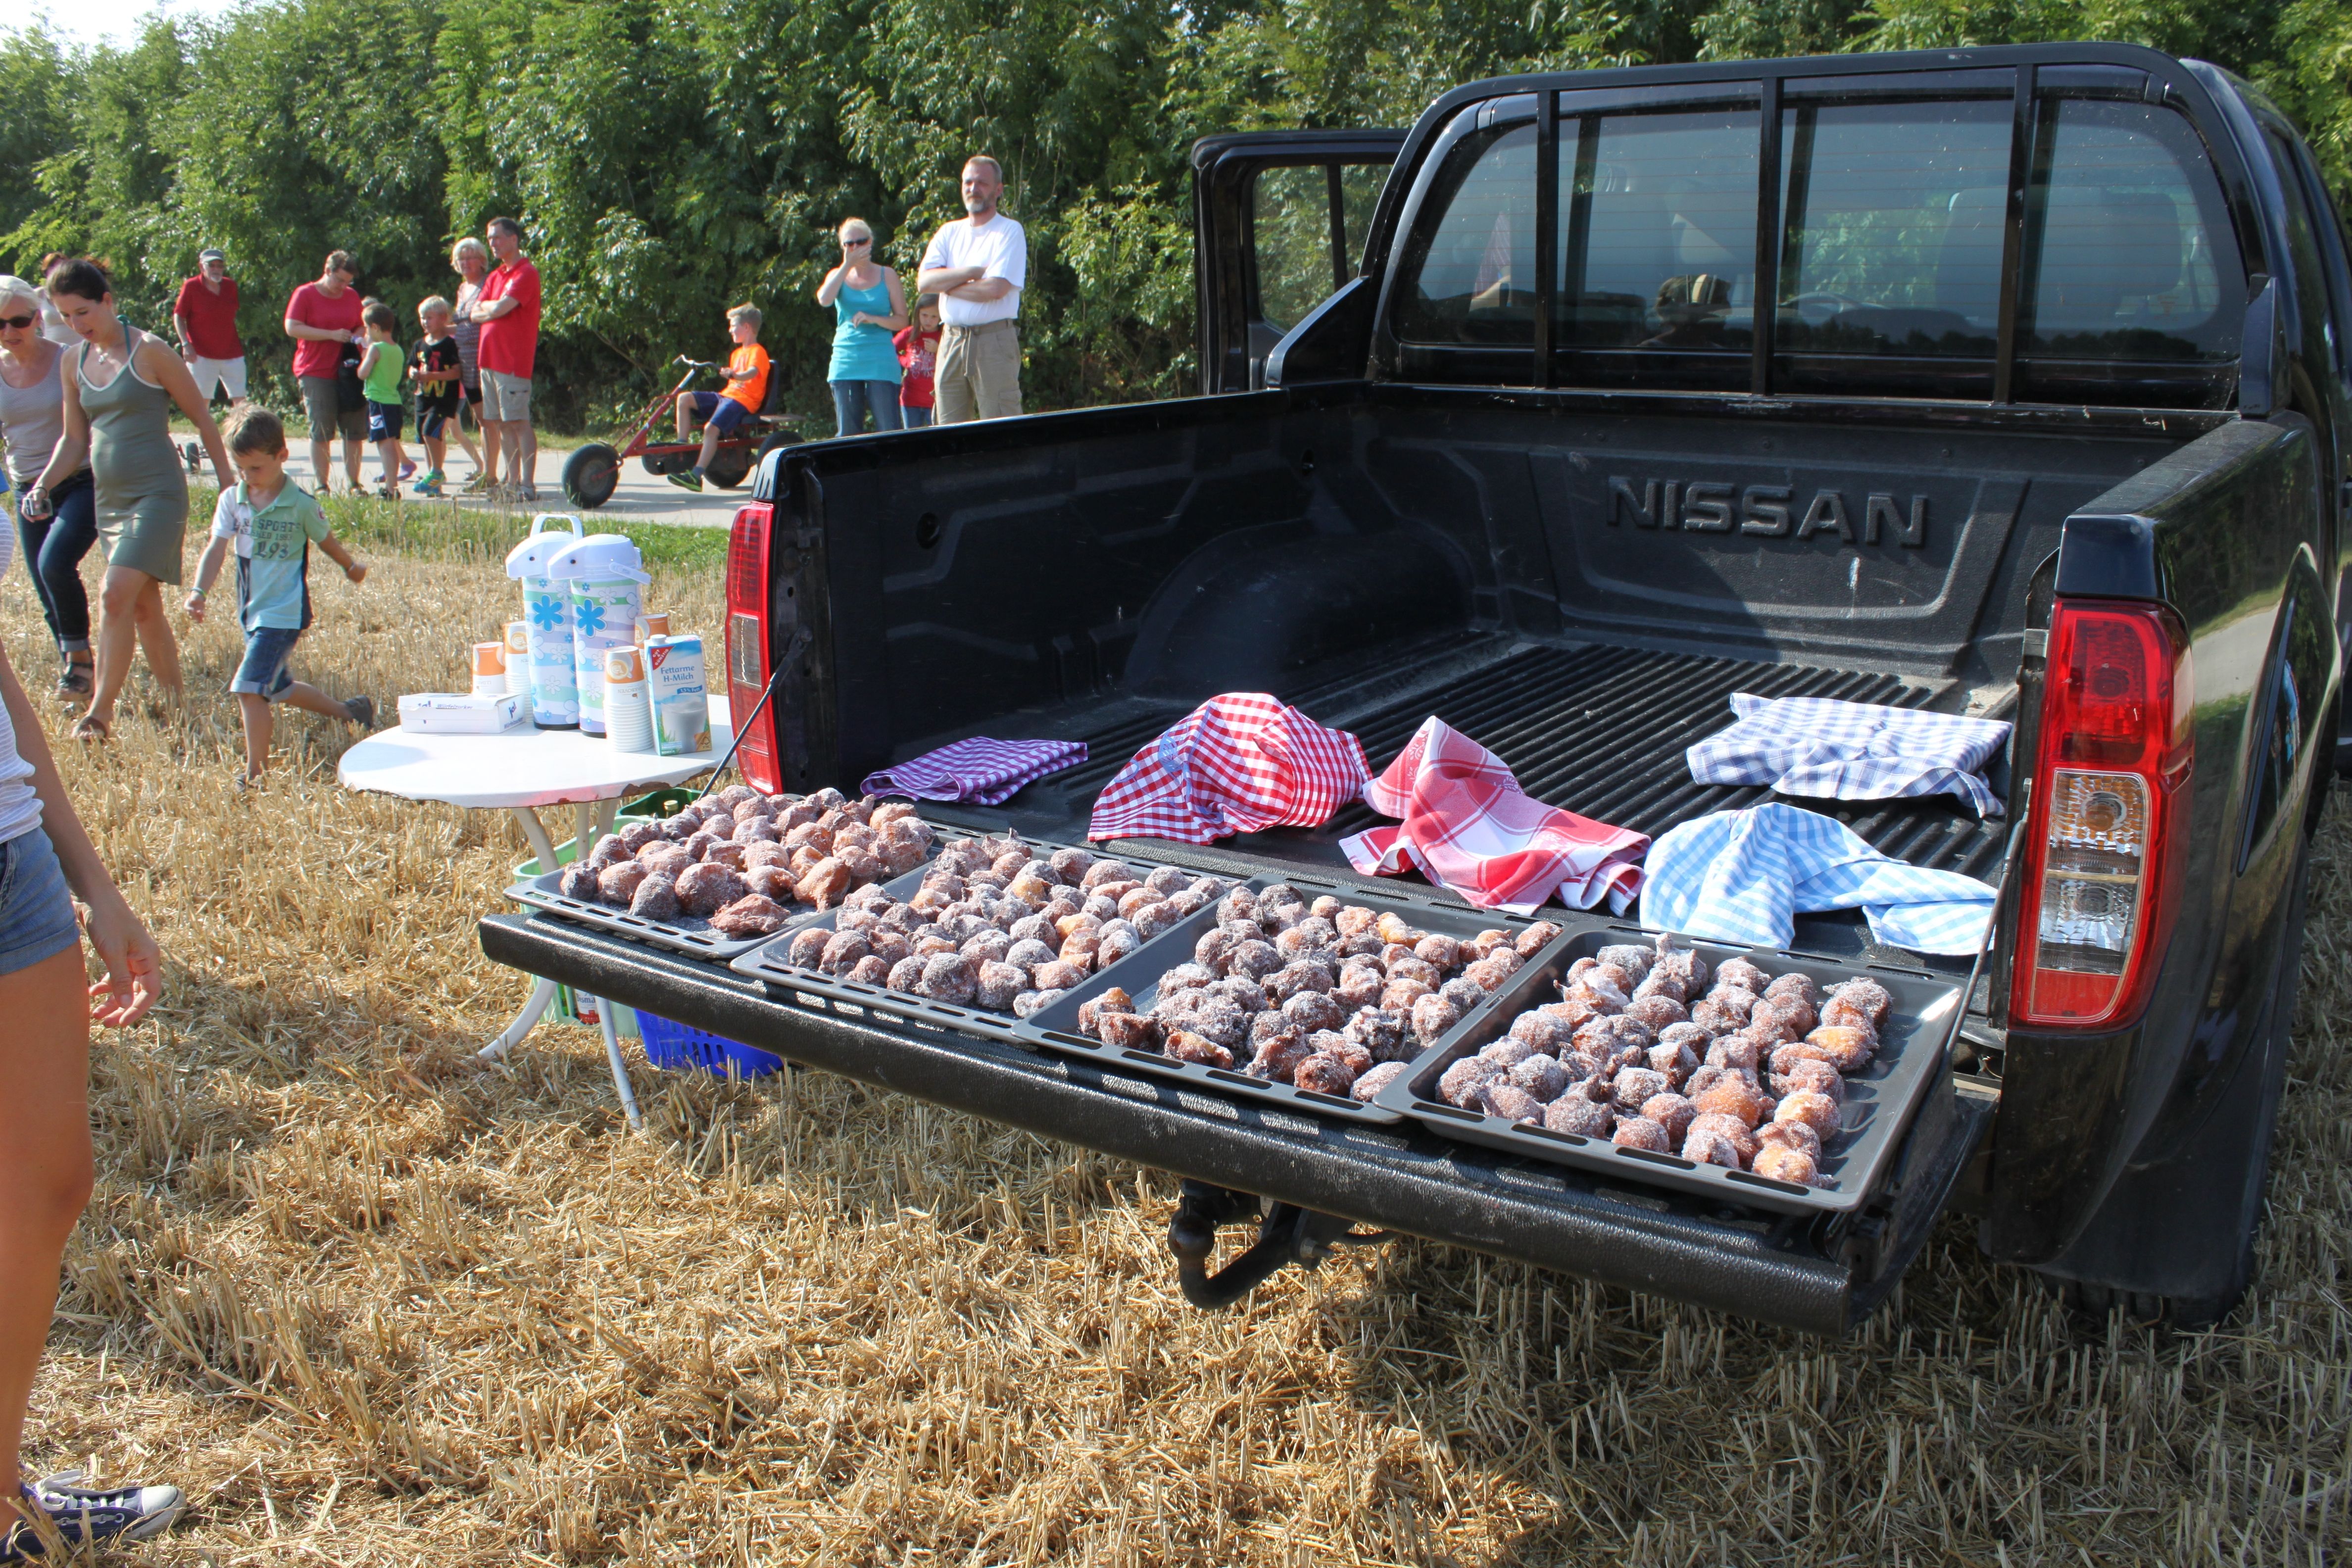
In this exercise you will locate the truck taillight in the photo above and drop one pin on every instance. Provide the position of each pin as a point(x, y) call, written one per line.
point(748, 653)
point(2107, 829)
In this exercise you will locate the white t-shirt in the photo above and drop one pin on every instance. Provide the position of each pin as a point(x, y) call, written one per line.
point(20, 808)
point(999, 247)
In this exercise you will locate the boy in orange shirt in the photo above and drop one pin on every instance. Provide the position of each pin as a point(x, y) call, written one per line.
point(747, 389)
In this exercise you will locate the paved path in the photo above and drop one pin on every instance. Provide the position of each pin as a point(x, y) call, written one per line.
point(640, 497)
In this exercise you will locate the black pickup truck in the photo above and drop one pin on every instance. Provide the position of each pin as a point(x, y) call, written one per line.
point(2047, 420)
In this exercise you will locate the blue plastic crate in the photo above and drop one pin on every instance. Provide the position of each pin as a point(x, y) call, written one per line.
point(677, 1046)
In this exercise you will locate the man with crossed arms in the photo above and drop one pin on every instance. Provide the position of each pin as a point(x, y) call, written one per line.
point(977, 266)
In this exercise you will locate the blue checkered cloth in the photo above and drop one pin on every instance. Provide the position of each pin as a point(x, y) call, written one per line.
point(1851, 751)
point(1745, 875)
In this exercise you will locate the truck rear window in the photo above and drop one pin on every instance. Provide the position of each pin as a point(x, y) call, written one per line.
point(1891, 234)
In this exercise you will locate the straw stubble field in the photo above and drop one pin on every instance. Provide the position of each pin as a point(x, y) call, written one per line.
point(370, 1303)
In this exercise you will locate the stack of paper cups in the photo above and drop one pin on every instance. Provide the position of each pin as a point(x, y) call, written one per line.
point(519, 657)
point(489, 669)
point(652, 624)
point(628, 708)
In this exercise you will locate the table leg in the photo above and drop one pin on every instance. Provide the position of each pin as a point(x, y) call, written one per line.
point(543, 991)
point(542, 995)
point(534, 833)
point(620, 1068)
point(594, 818)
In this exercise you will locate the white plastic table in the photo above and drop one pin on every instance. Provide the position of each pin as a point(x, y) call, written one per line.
point(524, 772)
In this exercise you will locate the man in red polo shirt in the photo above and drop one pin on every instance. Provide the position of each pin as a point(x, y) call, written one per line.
point(509, 311)
point(205, 315)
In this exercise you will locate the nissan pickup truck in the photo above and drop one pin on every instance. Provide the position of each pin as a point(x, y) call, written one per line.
point(2006, 382)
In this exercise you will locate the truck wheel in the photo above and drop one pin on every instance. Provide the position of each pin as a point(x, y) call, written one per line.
point(590, 475)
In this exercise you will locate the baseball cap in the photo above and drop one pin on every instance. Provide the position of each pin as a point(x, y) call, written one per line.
point(204, 255)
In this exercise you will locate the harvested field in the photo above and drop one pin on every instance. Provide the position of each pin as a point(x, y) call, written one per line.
point(372, 1304)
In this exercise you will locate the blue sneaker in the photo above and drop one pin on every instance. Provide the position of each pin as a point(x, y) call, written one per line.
point(84, 1515)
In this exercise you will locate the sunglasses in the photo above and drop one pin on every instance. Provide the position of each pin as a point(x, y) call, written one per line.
point(857, 242)
point(19, 322)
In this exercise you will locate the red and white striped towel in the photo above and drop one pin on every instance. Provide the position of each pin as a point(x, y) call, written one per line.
point(1236, 763)
point(1469, 827)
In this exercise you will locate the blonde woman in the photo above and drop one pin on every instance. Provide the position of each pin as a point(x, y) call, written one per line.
point(470, 259)
point(32, 418)
point(868, 305)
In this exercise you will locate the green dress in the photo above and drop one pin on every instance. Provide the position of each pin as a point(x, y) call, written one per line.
point(138, 481)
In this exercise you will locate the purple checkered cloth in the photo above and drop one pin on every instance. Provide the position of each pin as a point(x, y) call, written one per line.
point(978, 771)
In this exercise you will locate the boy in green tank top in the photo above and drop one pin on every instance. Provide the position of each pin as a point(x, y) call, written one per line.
point(381, 370)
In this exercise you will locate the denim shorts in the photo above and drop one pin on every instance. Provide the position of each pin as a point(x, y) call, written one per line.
point(722, 413)
point(262, 670)
point(37, 913)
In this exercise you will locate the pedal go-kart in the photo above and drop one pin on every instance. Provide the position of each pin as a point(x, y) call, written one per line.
point(590, 473)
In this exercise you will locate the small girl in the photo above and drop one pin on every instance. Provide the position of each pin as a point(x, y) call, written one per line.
point(381, 373)
point(918, 355)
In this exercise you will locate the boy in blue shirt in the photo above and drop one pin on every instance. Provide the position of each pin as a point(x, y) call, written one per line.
point(272, 524)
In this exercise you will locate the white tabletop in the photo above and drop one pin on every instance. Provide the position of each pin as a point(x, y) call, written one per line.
point(526, 767)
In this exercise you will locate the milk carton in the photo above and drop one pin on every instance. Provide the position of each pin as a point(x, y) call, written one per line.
point(681, 700)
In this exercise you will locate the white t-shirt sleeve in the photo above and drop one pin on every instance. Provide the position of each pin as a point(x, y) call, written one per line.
point(1010, 261)
point(937, 255)
point(232, 520)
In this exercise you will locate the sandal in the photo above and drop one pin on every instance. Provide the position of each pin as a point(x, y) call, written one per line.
point(89, 726)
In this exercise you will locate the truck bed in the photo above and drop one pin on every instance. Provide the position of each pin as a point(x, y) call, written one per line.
point(1597, 729)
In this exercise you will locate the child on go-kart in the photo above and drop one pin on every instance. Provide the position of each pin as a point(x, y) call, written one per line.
point(747, 389)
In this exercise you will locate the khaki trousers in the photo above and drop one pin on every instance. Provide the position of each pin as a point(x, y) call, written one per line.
point(979, 374)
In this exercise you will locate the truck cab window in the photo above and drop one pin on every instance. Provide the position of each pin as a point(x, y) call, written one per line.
point(2121, 239)
point(1291, 218)
point(1891, 233)
point(1657, 250)
point(1469, 277)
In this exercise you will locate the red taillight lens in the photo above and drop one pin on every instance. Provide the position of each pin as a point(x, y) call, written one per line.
point(748, 653)
point(2105, 835)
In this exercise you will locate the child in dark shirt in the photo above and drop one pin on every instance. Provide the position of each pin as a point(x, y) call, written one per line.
point(434, 369)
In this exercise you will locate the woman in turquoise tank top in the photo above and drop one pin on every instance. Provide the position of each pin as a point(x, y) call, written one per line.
point(868, 305)
point(119, 396)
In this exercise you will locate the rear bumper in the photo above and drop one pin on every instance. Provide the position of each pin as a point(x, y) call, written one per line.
point(1405, 1180)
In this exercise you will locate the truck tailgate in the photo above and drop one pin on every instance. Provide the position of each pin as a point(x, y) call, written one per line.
point(1802, 1274)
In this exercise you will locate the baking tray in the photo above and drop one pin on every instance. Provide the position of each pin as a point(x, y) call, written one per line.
point(1880, 1100)
point(690, 935)
point(1056, 1028)
point(767, 963)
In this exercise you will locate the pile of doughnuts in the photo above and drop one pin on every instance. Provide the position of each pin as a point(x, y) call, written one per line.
point(1747, 1074)
point(1325, 997)
point(748, 862)
point(1001, 924)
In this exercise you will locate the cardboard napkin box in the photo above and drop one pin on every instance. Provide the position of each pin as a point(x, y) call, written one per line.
point(453, 713)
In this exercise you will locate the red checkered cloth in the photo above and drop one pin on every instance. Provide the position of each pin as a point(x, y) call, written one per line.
point(1234, 764)
point(1468, 827)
